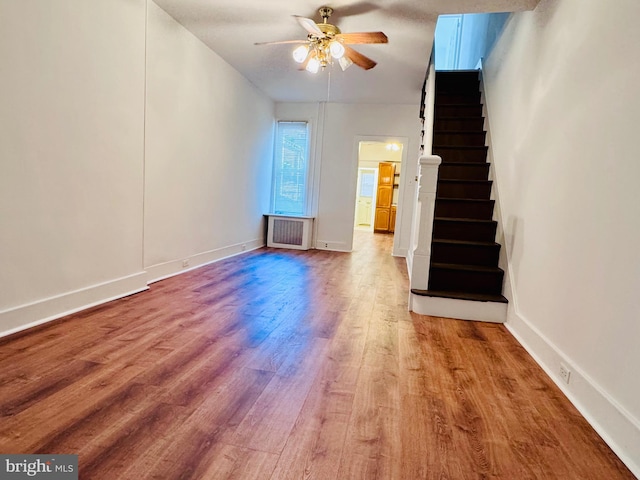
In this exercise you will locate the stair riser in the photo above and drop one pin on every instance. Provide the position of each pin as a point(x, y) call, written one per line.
point(457, 83)
point(452, 138)
point(449, 171)
point(466, 98)
point(460, 124)
point(466, 281)
point(472, 232)
point(481, 191)
point(452, 154)
point(486, 256)
point(458, 111)
point(461, 209)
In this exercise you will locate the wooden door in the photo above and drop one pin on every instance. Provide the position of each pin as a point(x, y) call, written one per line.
point(384, 198)
point(366, 190)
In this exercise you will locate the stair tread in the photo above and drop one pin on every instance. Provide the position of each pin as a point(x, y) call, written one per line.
point(475, 297)
point(472, 104)
point(460, 132)
point(465, 117)
point(466, 242)
point(463, 220)
point(468, 268)
point(465, 147)
point(463, 164)
point(475, 200)
point(462, 180)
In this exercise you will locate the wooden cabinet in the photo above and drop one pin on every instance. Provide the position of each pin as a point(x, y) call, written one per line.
point(386, 172)
point(392, 219)
point(385, 193)
point(381, 223)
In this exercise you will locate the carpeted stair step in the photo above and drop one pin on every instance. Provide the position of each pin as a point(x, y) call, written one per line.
point(450, 153)
point(459, 124)
point(463, 171)
point(444, 137)
point(459, 110)
point(461, 97)
point(456, 81)
point(465, 278)
point(469, 229)
point(475, 297)
point(464, 208)
point(477, 189)
point(465, 253)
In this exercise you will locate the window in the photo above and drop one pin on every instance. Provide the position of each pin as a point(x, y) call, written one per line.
point(290, 167)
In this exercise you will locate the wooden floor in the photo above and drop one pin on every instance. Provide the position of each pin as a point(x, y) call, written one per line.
point(289, 365)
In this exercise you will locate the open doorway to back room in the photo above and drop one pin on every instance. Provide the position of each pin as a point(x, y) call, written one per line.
point(378, 188)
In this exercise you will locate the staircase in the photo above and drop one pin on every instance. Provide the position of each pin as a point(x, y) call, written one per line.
point(464, 278)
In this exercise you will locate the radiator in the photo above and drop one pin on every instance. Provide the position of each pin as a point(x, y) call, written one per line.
point(289, 232)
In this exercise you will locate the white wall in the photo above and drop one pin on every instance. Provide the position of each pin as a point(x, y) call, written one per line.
point(84, 217)
point(564, 110)
point(71, 155)
point(339, 127)
point(208, 152)
point(344, 124)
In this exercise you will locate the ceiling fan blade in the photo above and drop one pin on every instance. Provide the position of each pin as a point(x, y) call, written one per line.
point(362, 37)
point(359, 59)
point(309, 25)
point(280, 42)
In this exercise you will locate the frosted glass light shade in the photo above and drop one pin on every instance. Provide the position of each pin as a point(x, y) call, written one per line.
point(300, 53)
point(345, 63)
point(336, 49)
point(313, 65)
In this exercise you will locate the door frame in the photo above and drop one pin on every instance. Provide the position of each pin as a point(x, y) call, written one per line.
point(403, 226)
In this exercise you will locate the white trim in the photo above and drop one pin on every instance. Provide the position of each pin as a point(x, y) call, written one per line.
point(29, 315)
point(161, 271)
point(494, 312)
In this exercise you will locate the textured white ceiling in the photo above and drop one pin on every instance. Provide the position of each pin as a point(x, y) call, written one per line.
point(231, 27)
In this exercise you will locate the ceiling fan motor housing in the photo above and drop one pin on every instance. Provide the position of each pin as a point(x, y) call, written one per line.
point(325, 13)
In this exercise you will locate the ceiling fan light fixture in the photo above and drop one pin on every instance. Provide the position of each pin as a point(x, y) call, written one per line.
point(337, 49)
point(313, 65)
point(345, 62)
point(300, 53)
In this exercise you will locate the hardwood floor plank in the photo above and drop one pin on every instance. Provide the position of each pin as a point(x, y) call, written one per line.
point(268, 424)
point(284, 364)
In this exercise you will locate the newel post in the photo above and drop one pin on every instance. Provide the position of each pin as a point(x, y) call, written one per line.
point(427, 184)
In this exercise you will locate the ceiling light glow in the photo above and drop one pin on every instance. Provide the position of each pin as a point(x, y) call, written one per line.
point(300, 53)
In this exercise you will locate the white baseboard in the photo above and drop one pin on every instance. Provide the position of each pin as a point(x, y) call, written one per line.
point(333, 246)
point(161, 271)
point(400, 252)
point(494, 312)
point(42, 311)
point(617, 427)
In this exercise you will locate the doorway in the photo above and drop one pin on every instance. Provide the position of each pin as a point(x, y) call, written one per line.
point(375, 157)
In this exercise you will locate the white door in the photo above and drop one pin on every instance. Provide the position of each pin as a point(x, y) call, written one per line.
point(365, 197)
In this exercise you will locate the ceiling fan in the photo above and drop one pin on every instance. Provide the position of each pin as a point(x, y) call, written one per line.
point(326, 42)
